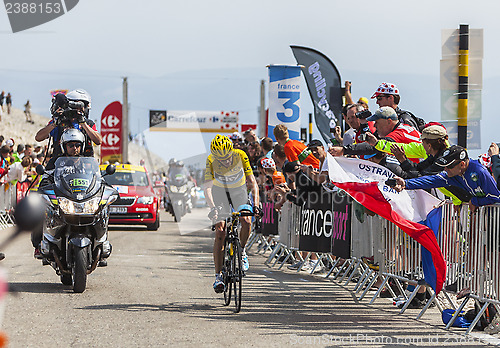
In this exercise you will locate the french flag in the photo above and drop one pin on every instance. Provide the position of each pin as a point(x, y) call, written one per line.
point(416, 212)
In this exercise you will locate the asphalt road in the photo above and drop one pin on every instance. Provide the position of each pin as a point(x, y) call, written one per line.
point(157, 291)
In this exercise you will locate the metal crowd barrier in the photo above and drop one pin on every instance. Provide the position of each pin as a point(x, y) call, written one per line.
point(470, 244)
point(8, 195)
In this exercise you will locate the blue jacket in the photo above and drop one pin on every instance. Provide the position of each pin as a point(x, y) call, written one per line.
point(476, 180)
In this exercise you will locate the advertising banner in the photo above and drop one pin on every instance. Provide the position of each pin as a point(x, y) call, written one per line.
point(326, 224)
point(270, 219)
point(284, 99)
point(157, 117)
point(111, 131)
point(194, 121)
point(324, 85)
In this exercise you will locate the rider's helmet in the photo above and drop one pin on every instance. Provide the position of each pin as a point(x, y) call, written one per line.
point(80, 95)
point(221, 147)
point(180, 163)
point(69, 135)
point(172, 162)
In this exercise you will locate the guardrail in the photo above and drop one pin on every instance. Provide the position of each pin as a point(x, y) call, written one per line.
point(470, 244)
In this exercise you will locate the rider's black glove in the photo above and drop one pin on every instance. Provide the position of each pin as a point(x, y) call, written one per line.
point(258, 212)
point(80, 118)
point(213, 213)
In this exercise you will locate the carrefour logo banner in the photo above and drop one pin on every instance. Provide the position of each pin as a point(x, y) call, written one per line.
point(284, 99)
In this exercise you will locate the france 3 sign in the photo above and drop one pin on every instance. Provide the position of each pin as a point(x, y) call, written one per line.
point(111, 131)
point(284, 99)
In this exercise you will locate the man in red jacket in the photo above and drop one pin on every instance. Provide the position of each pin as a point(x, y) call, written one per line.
point(388, 126)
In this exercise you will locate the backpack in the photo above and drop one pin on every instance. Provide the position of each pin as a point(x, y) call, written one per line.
point(419, 122)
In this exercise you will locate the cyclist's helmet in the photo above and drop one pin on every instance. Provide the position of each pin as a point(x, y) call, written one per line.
point(69, 135)
point(80, 95)
point(221, 147)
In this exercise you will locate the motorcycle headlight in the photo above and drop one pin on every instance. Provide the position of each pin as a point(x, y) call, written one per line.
point(183, 189)
point(173, 189)
point(74, 208)
point(145, 200)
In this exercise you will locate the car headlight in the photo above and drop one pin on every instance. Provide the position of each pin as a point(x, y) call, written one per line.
point(74, 208)
point(145, 200)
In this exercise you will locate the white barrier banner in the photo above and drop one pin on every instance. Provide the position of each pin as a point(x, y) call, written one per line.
point(284, 99)
point(413, 205)
point(199, 121)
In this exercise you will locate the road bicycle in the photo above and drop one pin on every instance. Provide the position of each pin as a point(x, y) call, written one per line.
point(232, 270)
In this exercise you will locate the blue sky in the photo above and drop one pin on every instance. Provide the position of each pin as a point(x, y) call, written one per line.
point(198, 55)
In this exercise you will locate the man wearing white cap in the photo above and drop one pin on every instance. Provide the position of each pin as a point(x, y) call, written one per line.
point(387, 94)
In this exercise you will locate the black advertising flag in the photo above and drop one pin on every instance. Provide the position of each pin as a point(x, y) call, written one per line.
point(324, 85)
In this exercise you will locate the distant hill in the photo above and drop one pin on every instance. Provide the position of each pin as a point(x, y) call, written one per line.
point(14, 126)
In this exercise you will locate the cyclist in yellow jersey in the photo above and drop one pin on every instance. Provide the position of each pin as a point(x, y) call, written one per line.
point(228, 176)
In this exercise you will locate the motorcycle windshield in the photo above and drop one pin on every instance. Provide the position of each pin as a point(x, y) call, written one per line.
point(178, 176)
point(78, 178)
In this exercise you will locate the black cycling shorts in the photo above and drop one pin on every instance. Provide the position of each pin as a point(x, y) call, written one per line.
point(229, 197)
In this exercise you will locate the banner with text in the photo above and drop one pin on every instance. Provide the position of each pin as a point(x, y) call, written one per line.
point(270, 219)
point(284, 99)
point(324, 85)
point(111, 131)
point(326, 224)
point(194, 121)
point(414, 211)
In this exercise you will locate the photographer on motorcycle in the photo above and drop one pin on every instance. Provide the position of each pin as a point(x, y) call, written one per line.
point(70, 111)
point(72, 142)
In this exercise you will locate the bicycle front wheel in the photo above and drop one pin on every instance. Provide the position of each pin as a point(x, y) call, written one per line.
point(237, 275)
point(227, 271)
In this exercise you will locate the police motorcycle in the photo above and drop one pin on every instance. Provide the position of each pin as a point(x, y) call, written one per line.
point(180, 191)
point(75, 229)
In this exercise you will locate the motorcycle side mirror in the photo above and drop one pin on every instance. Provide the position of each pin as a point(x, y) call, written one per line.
point(110, 169)
point(40, 169)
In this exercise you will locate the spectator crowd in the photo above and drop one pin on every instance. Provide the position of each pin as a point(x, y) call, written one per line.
point(18, 161)
point(418, 152)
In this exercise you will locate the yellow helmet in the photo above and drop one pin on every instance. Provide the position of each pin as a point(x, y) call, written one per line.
point(221, 147)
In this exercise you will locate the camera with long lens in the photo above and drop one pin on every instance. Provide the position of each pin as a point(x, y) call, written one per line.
point(65, 110)
point(363, 114)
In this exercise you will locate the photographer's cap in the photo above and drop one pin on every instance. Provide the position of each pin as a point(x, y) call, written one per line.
point(314, 143)
point(454, 153)
point(433, 132)
point(385, 112)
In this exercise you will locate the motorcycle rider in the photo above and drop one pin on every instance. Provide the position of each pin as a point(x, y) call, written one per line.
point(72, 142)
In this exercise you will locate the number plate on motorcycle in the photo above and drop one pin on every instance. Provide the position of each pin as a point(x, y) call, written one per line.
point(118, 210)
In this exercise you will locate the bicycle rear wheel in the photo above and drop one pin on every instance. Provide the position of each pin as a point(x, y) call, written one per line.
point(227, 273)
point(237, 275)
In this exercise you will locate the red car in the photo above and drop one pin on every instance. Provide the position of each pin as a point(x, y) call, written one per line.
point(138, 204)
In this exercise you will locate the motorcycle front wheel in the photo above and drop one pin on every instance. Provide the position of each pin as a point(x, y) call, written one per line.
point(66, 279)
point(80, 269)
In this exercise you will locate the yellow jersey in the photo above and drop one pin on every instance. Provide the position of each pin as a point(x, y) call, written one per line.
point(232, 176)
